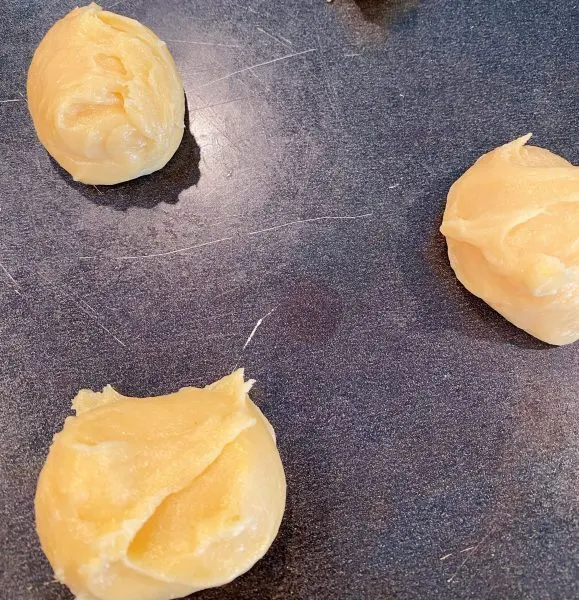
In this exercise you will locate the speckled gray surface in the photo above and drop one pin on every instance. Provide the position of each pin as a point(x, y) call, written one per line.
point(414, 422)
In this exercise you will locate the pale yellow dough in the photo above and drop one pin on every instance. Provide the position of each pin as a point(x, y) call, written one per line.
point(105, 97)
point(512, 227)
point(156, 498)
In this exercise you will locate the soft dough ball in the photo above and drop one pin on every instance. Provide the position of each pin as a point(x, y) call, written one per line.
point(157, 498)
point(512, 227)
point(105, 97)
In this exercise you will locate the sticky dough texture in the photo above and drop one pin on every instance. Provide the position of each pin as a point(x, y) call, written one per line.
point(512, 227)
point(105, 97)
point(156, 498)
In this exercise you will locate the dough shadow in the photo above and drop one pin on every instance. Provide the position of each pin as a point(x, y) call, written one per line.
point(164, 185)
point(439, 300)
point(384, 12)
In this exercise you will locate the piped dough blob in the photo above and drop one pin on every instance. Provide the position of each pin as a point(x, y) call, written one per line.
point(157, 498)
point(105, 97)
point(512, 227)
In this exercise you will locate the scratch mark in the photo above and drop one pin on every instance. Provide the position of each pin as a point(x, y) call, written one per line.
point(247, 8)
point(81, 304)
point(394, 185)
point(250, 95)
point(96, 319)
point(225, 239)
point(263, 64)
point(116, 4)
point(279, 40)
point(212, 123)
point(446, 556)
point(285, 40)
point(471, 551)
point(89, 307)
point(218, 104)
point(14, 285)
point(11, 100)
point(99, 191)
point(159, 254)
point(324, 218)
point(334, 102)
point(109, 332)
point(265, 86)
point(196, 43)
point(257, 76)
point(351, 55)
point(256, 327)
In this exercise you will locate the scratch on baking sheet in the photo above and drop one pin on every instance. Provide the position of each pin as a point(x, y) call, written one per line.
point(247, 342)
point(352, 54)
point(265, 86)
point(226, 239)
point(196, 109)
point(14, 285)
point(287, 44)
point(250, 94)
point(324, 218)
point(426, 167)
point(99, 191)
point(330, 88)
point(258, 116)
point(7, 100)
point(196, 43)
point(89, 307)
point(114, 4)
point(159, 254)
point(257, 76)
point(446, 556)
point(256, 327)
point(470, 552)
point(283, 39)
point(213, 124)
point(394, 185)
point(103, 327)
point(263, 64)
point(85, 308)
point(247, 8)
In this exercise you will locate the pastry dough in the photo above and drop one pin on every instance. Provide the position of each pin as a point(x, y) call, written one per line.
point(156, 498)
point(105, 97)
point(512, 227)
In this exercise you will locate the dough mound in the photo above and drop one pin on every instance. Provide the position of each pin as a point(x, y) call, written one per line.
point(157, 498)
point(105, 97)
point(512, 227)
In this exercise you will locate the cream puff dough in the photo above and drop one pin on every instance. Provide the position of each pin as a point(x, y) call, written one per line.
point(157, 498)
point(105, 97)
point(512, 227)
